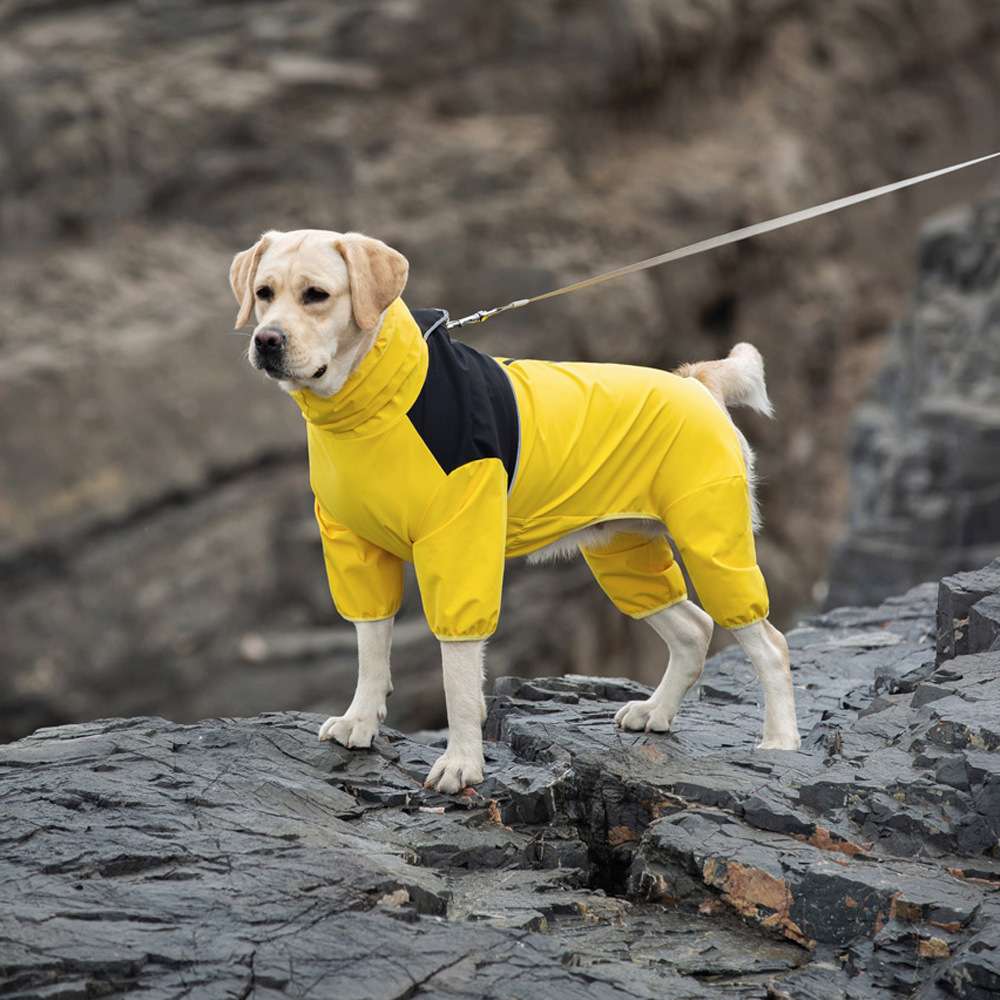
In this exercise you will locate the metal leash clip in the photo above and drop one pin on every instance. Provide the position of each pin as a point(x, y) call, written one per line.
point(484, 314)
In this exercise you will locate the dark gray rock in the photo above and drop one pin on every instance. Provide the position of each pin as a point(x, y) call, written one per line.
point(957, 596)
point(927, 440)
point(975, 972)
point(984, 623)
point(242, 857)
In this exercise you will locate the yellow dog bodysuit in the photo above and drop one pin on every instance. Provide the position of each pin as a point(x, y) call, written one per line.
point(436, 454)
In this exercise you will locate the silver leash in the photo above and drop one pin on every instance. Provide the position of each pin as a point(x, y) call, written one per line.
point(734, 236)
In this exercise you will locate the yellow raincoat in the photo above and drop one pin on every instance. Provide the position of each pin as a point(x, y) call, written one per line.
point(397, 479)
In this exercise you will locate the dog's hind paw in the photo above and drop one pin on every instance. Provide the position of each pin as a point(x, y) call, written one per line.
point(643, 717)
point(455, 770)
point(349, 731)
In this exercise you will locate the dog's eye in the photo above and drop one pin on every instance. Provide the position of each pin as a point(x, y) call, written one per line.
point(265, 293)
point(312, 294)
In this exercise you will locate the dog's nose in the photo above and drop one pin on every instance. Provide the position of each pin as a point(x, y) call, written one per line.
point(269, 340)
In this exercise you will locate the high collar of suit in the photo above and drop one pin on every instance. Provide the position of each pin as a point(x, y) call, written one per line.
point(381, 389)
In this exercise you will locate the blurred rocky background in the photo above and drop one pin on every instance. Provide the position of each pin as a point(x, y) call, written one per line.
point(156, 547)
point(925, 460)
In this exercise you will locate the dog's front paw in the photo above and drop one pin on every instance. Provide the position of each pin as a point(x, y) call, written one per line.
point(455, 770)
point(350, 730)
point(643, 717)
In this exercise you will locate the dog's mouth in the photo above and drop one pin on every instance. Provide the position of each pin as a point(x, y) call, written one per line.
point(272, 369)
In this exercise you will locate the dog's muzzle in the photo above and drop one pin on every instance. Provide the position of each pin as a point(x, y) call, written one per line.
point(269, 349)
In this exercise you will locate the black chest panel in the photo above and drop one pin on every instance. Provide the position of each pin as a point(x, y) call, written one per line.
point(466, 409)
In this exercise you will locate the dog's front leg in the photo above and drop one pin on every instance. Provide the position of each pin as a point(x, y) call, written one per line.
point(358, 726)
point(462, 763)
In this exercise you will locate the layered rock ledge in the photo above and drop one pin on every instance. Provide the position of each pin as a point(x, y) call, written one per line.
point(241, 857)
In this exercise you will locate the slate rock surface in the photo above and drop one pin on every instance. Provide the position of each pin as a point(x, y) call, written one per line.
point(242, 858)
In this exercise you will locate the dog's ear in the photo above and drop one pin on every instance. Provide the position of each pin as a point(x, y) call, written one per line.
point(377, 274)
point(242, 273)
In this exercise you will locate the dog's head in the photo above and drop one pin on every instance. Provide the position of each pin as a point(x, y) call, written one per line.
point(318, 298)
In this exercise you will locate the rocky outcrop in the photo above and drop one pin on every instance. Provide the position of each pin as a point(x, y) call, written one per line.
point(926, 497)
point(154, 498)
point(241, 857)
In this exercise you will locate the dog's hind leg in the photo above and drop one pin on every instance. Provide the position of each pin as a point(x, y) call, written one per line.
point(358, 726)
point(687, 631)
point(768, 652)
point(638, 572)
point(713, 530)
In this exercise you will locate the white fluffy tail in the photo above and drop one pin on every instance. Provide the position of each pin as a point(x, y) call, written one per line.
point(737, 380)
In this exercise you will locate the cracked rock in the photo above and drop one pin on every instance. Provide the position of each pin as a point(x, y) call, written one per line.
point(243, 857)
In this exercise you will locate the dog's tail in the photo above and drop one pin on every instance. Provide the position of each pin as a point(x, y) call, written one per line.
point(737, 380)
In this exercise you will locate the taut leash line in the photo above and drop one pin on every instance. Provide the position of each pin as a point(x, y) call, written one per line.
point(734, 236)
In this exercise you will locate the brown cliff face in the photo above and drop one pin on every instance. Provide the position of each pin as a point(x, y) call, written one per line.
point(154, 496)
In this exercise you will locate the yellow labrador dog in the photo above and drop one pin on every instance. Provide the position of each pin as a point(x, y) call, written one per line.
point(332, 331)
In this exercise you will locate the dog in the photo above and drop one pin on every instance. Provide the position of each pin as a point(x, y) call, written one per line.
point(424, 450)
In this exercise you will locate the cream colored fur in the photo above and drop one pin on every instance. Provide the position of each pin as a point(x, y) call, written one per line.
point(361, 277)
point(324, 342)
